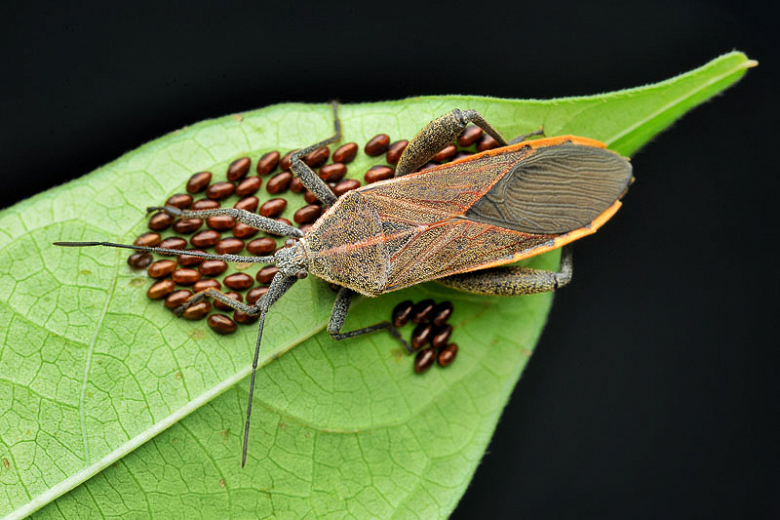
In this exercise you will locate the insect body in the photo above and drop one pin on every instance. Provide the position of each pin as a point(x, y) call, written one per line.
point(459, 223)
point(479, 212)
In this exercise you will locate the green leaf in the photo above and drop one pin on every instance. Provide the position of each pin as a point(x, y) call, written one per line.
point(113, 407)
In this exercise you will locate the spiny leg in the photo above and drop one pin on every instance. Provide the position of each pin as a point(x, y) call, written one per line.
point(224, 298)
point(217, 295)
point(339, 315)
point(268, 225)
point(513, 281)
point(310, 179)
point(439, 133)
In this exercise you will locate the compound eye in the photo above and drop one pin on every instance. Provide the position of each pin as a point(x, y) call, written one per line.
point(300, 275)
point(289, 242)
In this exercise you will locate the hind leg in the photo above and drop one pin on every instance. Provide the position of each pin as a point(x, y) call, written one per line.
point(439, 133)
point(513, 281)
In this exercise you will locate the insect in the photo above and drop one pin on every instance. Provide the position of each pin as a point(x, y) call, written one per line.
point(459, 223)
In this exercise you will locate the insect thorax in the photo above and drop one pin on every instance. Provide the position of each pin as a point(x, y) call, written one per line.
point(346, 246)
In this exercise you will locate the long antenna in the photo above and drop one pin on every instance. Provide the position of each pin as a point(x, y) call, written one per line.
point(279, 285)
point(252, 387)
point(165, 251)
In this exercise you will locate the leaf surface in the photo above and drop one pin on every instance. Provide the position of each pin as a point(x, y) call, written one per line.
point(113, 407)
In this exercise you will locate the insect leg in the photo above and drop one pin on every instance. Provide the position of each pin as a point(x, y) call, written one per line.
point(310, 179)
point(175, 252)
point(512, 281)
point(268, 225)
point(339, 315)
point(224, 298)
point(217, 295)
point(523, 137)
point(279, 286)
point(439, 133)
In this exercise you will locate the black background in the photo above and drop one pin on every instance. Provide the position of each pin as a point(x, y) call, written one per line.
point(653, 392)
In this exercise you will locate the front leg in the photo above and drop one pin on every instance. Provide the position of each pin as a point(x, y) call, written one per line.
point(513, 281)
point(439, 133)
point(268, 225)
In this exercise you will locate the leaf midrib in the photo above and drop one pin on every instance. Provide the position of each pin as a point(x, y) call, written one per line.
point(679, 100)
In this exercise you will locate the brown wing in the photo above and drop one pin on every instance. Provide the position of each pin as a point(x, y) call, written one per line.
point(463, 216)
point(557, 189)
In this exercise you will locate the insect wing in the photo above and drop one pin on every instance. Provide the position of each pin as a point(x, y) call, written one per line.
point(496, 208)
point(486, 210)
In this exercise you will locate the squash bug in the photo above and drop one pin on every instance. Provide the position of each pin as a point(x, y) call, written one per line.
point(459, 223)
